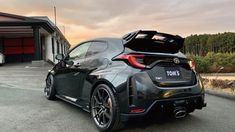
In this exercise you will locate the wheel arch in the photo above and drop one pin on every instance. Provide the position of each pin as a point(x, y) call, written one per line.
point(102, 81)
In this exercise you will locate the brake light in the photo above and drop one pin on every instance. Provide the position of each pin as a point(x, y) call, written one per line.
point(132, 59)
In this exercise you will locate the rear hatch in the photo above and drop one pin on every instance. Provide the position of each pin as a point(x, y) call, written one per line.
point(158, 54)
point(171, 72)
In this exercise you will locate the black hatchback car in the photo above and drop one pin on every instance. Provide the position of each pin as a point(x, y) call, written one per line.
point(118, 78)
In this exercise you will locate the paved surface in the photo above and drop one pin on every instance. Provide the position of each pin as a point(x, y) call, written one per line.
point(23, 108)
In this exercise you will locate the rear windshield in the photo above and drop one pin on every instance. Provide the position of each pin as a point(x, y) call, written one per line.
point(157, 43)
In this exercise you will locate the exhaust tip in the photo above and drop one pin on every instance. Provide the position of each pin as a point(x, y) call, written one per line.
point(180, 112)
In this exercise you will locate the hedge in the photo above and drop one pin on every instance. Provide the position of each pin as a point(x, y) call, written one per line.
point(212, 62)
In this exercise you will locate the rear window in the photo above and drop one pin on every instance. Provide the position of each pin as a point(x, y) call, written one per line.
point(155, 43)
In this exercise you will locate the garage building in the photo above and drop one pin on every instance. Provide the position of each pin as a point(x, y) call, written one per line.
point(27, 39)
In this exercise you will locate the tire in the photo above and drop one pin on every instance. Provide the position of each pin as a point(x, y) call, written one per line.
point(49, 90)
point(105, 110)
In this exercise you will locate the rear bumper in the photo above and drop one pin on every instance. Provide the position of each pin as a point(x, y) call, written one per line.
point(138, 93)
point(167, 105)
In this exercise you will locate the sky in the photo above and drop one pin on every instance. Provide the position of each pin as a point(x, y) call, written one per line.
point(87, 19)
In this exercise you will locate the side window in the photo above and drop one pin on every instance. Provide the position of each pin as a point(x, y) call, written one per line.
point(96, 48)
point(79, 52)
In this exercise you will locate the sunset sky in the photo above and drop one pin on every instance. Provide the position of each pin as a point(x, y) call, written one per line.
point(85, 19)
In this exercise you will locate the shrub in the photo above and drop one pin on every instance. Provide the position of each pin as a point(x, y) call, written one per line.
point(202, 64)
point(212, 62)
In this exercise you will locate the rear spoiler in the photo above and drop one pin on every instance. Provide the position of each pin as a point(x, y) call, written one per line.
point(175, 40)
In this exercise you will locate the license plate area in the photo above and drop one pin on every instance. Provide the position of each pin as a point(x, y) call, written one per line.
point(173, 72)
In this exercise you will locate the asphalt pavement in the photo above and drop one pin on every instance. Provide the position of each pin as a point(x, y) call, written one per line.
point(23, 108)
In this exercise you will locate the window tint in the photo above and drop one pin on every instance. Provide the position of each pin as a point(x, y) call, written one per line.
point(79, 52)
point(96, 48)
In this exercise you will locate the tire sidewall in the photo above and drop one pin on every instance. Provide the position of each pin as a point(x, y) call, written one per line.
point(51, 94)
point(115, 113)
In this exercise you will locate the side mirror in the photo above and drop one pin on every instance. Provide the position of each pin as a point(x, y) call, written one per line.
point(59, 57)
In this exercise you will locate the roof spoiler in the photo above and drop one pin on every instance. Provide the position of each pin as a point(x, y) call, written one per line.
point(169, 39)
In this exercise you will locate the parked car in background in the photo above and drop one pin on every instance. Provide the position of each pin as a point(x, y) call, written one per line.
point(2, 59)
point(118, 78)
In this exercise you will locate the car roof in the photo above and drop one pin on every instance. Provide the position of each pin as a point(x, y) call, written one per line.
point(108, 39)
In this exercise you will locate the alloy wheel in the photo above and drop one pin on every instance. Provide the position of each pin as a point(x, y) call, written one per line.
point(49, 84)
point(101, 107)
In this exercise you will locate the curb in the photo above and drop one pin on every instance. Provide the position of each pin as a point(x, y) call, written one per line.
point(220, 94)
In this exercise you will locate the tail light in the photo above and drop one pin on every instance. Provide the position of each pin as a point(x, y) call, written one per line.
point(192, 64)
point(132, 60)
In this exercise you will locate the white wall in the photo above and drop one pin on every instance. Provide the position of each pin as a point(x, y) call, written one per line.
point(48, 45)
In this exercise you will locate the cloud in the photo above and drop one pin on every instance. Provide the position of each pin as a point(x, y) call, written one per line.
point(85, 19)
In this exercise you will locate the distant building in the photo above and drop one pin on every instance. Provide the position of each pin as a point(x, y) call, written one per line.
point(26, 39)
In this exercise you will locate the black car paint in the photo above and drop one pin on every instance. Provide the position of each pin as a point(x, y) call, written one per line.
point(79, 82)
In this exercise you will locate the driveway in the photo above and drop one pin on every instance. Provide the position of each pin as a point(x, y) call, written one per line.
point(23, 108)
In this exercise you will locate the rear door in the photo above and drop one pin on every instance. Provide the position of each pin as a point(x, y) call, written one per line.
point(172, 72)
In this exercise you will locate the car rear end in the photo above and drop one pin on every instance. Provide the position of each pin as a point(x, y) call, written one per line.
point(161, 76)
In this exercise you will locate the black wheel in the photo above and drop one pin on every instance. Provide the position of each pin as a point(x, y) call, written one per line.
point(105, 109)
point(49, 90)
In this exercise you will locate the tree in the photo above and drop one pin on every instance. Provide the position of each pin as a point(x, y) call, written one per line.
point(202, 44)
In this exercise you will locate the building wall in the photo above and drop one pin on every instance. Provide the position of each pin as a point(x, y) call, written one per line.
point(60, 47)
point(48, 45)
point(40, 45)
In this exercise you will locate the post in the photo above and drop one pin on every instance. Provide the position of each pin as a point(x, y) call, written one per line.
point(55, 14)
point(37, 43)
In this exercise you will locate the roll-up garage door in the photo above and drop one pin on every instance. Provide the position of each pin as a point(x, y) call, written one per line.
point(19, 49)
